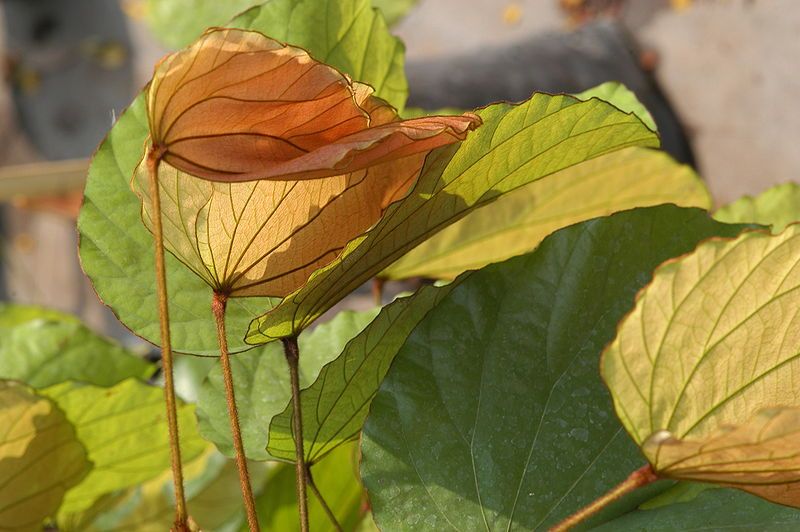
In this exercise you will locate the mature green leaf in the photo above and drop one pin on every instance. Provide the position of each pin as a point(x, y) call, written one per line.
point(336, 478)
point(335, 406)
point(516, 145)
point(347, 34)
point(778, 206)
point(517, 222)
point(725, 314)
point(51, 349)
point(40, 458)
point(718, 509)
point(12, 314)
point(261, 377)
point(117, 251)
point(492, 414)
point(394, 10)
point(124, 429)
point(179, 22)
point(622, 98)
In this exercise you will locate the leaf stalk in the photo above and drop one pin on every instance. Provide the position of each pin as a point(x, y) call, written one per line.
point(181, 515)
point(292, 352)
point(219, 304)
point(639, 478)
point(321, 500)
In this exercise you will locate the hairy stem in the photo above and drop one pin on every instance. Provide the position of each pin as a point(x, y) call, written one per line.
point(292, 352)
point(181, 515)
point(219, 304)
point(325, 507)
point(641, 477)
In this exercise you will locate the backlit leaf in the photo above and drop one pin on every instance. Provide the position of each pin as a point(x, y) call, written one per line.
point(124, 430)
point(53, 348)
point(705, 371)
point(40, 458)
point(117, 250)
point(262, 384)
point(778, 207)
point(516, 145)
point(517, 222)
point(622, 98)
point(335, 406)
point(493, 415)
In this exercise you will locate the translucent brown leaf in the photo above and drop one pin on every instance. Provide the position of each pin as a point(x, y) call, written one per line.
point(239, 106)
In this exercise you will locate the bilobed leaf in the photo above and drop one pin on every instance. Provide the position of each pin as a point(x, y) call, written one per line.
point(516, 145)
point(622, 98)
point(517, 222)
point(335, 406)
point(493, 415)
point(356, 39)
point(117, 250)
point(124, 430)
point(261, 377)
point(336, 477)
point(50, 349)
point(778, 207)
point(40, 458)
point(704, 371)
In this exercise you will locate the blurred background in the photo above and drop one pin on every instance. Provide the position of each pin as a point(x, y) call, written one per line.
point(720, 77)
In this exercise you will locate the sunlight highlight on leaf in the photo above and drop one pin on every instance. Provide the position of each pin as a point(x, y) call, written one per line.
point(517, 222)
point(705, 372)
point(516, 145)
point(777, 206)
point(40, 458)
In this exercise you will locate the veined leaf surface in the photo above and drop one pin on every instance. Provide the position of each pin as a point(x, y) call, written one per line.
point(517, 222)
point(40, 458)
point(493, 415)
point(620, 97)
point(517, 145)
point(705, 371)
point(124, 429)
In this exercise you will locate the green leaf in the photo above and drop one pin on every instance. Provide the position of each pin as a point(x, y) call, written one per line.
point(778, 206)
point(51, 349)
point(718, 509)
point(347, 34)
point(394, 10)
point(115, 248)
point(117, 252)
point(336, 478)
point(725, 314)
point(516, 145)
point(124, 430)
point(12, 314)
point(335, 406)
point(177, 23)
point(261, 377)
point(517, 222)
point(40, 458)
point(493, 414)
point(622, 98)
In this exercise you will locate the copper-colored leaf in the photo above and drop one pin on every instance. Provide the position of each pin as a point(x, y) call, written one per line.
point(239, 106)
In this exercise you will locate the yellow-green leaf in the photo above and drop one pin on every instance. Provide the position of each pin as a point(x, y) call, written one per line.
point(517, 222)
point(124, 429)
point(40, 458)
point(777, 206)
point(705, 372)
point(516, 145)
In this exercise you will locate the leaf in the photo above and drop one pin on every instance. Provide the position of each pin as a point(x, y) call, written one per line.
point(40, 458)
point(356, 39)
point(394, 10)
point(117, 250)
point(516, 145)
point(778, 206)
point(116, 253)
point(622, 98)
point(124, 430)
point(262, 384)
point(336, 478)
point(176, 23)
point(53, 348)
point(517, 222)
point(718, 509)
point(725, 314)
point(12, 314)
point(335, 406)
point(492, 414)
